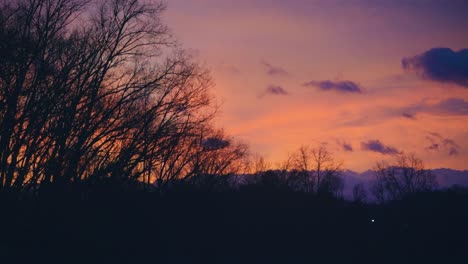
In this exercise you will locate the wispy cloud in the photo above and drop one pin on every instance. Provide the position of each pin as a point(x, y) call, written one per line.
point(339, 86)
point(408, 115)
point(439, 143)
point(273, 70)
point(378, 146)
point(344, 146)
point(274, 90)
point(445, 107)
point(347, 147)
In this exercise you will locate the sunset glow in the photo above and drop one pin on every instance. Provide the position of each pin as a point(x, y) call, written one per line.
point(289, 73)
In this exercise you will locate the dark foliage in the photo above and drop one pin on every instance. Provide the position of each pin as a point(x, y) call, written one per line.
point(104, 225)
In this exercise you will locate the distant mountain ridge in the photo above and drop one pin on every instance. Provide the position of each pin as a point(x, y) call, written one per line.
point(448, 177)
point(445, 178)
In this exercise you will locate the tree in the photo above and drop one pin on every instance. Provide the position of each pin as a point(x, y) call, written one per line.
point(217, 161)
point(317, 170)
point(259, 164)
point(113, 97)
point(405, 176)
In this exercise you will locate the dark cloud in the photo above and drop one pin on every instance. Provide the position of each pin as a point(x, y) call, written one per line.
point(214, 143)
point(339, 86)
point(441, 65)
point(377, 146)
point(347, 147)
point(440, 143)
point(408, 115)
point(276, 90)
point(274, 70)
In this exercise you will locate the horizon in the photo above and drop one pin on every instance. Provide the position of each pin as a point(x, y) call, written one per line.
point(346, 74)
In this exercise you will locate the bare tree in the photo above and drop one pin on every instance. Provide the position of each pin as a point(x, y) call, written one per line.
point(259, 164)
point(217, 160)
point(103, 92)
point(317, 170)
point(405, 176)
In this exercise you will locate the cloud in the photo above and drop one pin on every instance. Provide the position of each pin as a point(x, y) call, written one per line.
point(453, 152)
point(441, 65)
point(274, 70)
point(452, 147)
point(450, 106)
point(446, 107)
point(408, 115)
point(276, 90)
point(339, 86)
point(347, 147)
point(434, 146)
point(439, 143)
point(214, 143)
point(377, 146)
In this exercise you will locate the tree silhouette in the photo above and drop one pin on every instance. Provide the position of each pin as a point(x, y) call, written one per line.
point(316, 170)
point(405, 176)
point(113, 97)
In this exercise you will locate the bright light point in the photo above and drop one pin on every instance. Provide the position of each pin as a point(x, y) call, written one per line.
point(372, 220)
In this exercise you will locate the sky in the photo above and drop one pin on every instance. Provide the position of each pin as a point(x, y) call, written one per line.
point(370, 79)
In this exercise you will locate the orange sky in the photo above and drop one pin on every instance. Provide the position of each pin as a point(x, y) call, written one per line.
point(252, 45)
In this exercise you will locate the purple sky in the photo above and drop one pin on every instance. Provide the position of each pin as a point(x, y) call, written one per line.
point(305, 72)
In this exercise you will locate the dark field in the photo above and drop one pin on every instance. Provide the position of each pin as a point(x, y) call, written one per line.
point(243, 226)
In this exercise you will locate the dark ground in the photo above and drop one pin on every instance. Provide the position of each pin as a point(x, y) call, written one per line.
point(254, 226)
